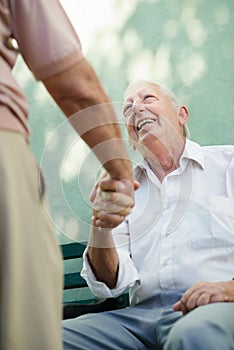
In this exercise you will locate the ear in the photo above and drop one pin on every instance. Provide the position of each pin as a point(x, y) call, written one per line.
point(183, 115)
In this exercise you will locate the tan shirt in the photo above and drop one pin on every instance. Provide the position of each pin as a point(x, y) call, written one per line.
point(48, 44)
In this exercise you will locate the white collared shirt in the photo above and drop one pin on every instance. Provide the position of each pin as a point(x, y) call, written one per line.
point(180, 231)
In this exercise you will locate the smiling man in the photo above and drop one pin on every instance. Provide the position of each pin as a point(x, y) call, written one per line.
point(156, 125)
point(175, 251)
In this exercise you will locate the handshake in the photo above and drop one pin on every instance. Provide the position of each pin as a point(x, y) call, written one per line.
point(112, 200)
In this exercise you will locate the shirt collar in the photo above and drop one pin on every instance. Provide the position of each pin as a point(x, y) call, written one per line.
point(192, 151)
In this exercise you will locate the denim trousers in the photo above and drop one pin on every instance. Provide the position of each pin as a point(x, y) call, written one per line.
point(153, 324)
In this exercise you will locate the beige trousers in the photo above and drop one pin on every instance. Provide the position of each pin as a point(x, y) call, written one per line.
point(30, 259)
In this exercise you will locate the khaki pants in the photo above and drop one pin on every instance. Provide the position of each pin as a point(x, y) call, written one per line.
point(30, 260)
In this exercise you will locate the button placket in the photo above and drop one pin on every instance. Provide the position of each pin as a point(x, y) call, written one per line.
point(169, 196)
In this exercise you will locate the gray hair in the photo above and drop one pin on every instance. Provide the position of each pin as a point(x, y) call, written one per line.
point(165, 90)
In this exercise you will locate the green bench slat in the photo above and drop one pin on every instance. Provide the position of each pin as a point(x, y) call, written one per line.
point(73, 250)
point(74, 280)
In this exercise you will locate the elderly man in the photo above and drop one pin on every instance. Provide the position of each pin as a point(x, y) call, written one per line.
point(175, 251)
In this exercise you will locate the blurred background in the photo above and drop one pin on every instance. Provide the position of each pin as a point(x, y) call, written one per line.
point(184, 44)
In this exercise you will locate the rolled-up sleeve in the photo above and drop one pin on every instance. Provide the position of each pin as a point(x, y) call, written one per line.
point(127, 273)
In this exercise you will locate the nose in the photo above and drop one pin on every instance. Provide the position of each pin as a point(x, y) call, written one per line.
point(138, 108)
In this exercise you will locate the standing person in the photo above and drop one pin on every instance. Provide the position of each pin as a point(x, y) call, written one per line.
point(175, 251)
point(30, 261)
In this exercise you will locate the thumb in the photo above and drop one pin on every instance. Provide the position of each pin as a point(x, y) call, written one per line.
point(177, 306)
point(136, 185)
point(93, 192)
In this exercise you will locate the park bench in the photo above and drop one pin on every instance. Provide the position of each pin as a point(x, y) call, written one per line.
point(81, 301)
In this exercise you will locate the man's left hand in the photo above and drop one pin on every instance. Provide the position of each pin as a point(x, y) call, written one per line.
point(203, 293)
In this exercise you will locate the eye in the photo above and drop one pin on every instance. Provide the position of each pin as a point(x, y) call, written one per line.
point(127, 109)
point(150, 98)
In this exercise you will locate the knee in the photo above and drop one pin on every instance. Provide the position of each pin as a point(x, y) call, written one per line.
point(182, 335)
point(196, 334)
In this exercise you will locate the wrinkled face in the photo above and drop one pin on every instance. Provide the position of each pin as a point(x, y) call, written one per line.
point(150, 115)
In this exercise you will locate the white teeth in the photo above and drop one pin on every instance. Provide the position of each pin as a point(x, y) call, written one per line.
point(143, 122)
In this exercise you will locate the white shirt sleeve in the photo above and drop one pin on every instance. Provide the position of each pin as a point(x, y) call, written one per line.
point(127, 274)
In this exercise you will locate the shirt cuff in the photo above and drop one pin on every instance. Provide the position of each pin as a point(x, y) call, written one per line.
point(127, 277)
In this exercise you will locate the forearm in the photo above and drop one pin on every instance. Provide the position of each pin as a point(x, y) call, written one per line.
point(79, 94)
point(103, 256)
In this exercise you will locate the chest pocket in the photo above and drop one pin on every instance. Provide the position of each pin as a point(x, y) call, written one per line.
point(213, 223)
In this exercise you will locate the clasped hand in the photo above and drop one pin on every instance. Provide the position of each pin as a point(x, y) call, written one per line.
point(112, 201)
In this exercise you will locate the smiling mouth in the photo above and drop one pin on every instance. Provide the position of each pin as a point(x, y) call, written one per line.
point(144, 122)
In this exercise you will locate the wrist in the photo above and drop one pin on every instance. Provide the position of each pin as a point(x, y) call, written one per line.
point(101, 238)
point(120, 169)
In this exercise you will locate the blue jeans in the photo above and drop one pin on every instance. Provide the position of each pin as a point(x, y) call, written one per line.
point(153, 324)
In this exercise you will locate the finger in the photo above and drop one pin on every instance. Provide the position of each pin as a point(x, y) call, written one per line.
point(113, 203)
point(192, 301)
point(203, 299)
point(111, 189)
point(198, 298)
point(112, 208)
point(104, 224)
point(189, 299)
point(101, 223)
point(108, 195)
point(177, 306)
point(110, 219)
point(117, 196)
point(108, 184)
point(190, 291)
point(185, 297)
point(184, 309)
point(119, 186)
point(93, 192)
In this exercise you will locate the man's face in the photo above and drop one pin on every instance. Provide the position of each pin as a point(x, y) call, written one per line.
point(150, 115)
